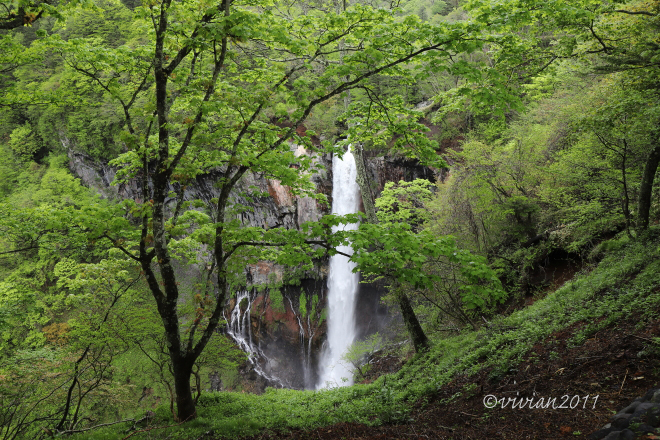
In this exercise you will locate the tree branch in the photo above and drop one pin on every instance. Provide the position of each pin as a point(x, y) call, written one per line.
point(623, 11)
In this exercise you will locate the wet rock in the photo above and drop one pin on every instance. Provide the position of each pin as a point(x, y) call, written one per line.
point(643, 407)
point(630, 408)
point(621, 421)
point(642, 416)
point(627, 434)
point(644, 429)
point(601, 433)
point(615, 435)
point(656, 397)
point(653, 416)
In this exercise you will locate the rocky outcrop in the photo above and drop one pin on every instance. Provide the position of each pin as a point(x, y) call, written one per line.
point(279, 209)
point(639, 418)
point(385, 169)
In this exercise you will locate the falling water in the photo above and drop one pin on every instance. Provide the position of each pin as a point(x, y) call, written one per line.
point(306, 333)
point(342, 282)
point(240, 329)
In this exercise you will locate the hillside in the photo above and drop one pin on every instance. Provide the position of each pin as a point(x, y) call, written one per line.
point(595, 336)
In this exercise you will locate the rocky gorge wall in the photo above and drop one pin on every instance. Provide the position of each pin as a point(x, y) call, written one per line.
point(287, 328)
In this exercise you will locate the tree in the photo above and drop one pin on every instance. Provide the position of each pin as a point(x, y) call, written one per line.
point(223, 89)
point(359, 354)
point(618, 36)
point(624, 131)
point(23, 13)
point(413, 259)
point(491, 197)
point(375, 122)
point(57, 358)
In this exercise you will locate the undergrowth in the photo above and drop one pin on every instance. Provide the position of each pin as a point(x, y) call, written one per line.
point(625, 282)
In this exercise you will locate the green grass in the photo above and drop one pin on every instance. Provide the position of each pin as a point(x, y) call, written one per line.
point(626, 281)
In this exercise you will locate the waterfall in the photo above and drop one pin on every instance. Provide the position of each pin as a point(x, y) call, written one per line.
point(305, 348)
point(342, 282)
point(239, 328)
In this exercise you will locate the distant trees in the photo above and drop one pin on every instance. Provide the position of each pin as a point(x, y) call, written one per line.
point(55, 370)
point(560, 176)
point(613, 37)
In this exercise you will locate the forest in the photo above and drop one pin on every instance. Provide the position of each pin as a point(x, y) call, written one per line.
point(168, 221)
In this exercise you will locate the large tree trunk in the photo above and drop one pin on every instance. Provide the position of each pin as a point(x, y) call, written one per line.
point(646, 188)
point(420, 341)
point(185, 404)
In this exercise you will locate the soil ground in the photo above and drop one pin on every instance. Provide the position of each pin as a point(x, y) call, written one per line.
point(607, 365)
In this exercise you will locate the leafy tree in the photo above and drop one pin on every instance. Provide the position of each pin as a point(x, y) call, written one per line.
point(223, 88)
point(97, 290)
point(360, 352)
point(24, 400)
point(23, 142)
point(54, 310)
point(415, 259)
point(23, 13)
point(617, 132)
point(492, 196)
point(375, 121)
point(62, 326)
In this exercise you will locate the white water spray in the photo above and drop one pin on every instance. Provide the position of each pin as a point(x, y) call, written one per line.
point(342, 282)
point(305, 348)
point(240, 329)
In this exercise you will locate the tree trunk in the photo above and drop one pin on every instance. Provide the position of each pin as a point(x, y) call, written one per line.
point(185, 404)
point(626, 195)
point(419, 339)
point(364, 184)
point(646, 188)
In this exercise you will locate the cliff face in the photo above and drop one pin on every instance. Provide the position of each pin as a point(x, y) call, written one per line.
point(279, 209)
point(285, 330)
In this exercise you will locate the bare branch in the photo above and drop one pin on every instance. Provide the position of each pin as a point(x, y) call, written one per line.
point(623, 11)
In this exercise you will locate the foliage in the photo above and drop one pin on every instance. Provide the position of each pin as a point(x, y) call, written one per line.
point(173, 90)
point(410, 258)
point(404, 202)
point(558, 177)
point(626, 280)
point(377, 121)
point(494, 196)
point(23, 143)
point(228, 98)
point(429, 266)
point(360, 352)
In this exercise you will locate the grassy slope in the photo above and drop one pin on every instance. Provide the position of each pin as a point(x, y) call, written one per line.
point(627, 280)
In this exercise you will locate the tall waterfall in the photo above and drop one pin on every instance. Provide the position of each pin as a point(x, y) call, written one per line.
point(342, 283)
